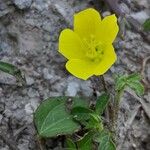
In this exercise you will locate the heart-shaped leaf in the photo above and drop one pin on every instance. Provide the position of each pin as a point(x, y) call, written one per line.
point(52, 119)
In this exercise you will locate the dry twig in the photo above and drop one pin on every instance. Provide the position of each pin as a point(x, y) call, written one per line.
point(143, 71)
point(145, 106)
point(128, 125)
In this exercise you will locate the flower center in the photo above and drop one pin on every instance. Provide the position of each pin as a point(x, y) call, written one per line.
point(95, 50)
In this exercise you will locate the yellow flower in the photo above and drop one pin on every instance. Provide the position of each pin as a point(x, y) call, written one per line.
point(88, 47)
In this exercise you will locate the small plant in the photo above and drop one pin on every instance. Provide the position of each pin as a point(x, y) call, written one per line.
point(146, 25)
point(12, 70)
point(89, 51)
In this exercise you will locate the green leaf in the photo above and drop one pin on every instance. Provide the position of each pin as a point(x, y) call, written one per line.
point(146, 25)
point(106, 143)
point(81, 113)
point(79, 102)
point(87, 117)
point(120, 82)
point(132, 81)
point(137, 87)
point(51, 118)
point(101, 103)
point(86, 142)
point(134, 77)
point(70, 144)
point(94, 122)
point(99, 135)
point(12, 70)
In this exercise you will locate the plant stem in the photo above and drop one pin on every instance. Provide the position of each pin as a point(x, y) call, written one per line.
point(115, 112)
point(107, 111)
point(40, 143)
point(104, 83)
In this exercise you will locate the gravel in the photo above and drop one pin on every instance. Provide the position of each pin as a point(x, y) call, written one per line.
point(29, 31)
point(22, 4)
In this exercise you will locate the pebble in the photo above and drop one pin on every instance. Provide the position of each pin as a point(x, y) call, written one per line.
point(23, 4)
point(33, 93)
point(86, 88)
point(47, 27)
point(72, 89)
point(140, 16)
point(106, 13)
point(29, 80)
point(1, 117)
point(28, 108)
point(47, 75)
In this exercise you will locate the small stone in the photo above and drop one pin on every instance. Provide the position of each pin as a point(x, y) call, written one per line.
point(28, 108)
point(5, 46)
point(23, 4)
point(106, 13)
point(47, 38)
point(32, 106)
point(7, 113)
point(140, 16)
point(30, 21)
point(33, 93)
point(1, 117)
point(124, 8)
point(47, 27)
point(2, 107)
point(47, 75)
point(72, 89)
point(55, 94)
point(86, 88)
point(23, 145)
point(29, 80)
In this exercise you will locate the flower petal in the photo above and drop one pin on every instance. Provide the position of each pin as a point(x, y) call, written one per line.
point(70, 45)
point(86, 22)
point(107, 61)
point(82, 69)
point(108, 29)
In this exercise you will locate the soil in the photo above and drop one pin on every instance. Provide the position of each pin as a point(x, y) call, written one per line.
point(29, 31)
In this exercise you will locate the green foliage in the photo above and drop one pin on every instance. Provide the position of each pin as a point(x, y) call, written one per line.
point(77, 101)
point(87, 117)
point(94, 122)
point(81, 113)
point(12, 70)
point(137, 87)
point(101, 103)
point(51, 118)
point(70, 144)
point(120, 82)
point(132, 81)
point(105, 141)
point(146, 25)
point(86, 142)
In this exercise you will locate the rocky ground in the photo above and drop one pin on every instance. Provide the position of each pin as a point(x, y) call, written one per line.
point(29, 31)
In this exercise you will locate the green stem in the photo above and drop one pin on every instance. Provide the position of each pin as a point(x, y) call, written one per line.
point(116, 111)
point(107, 111)
point(104, 83)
